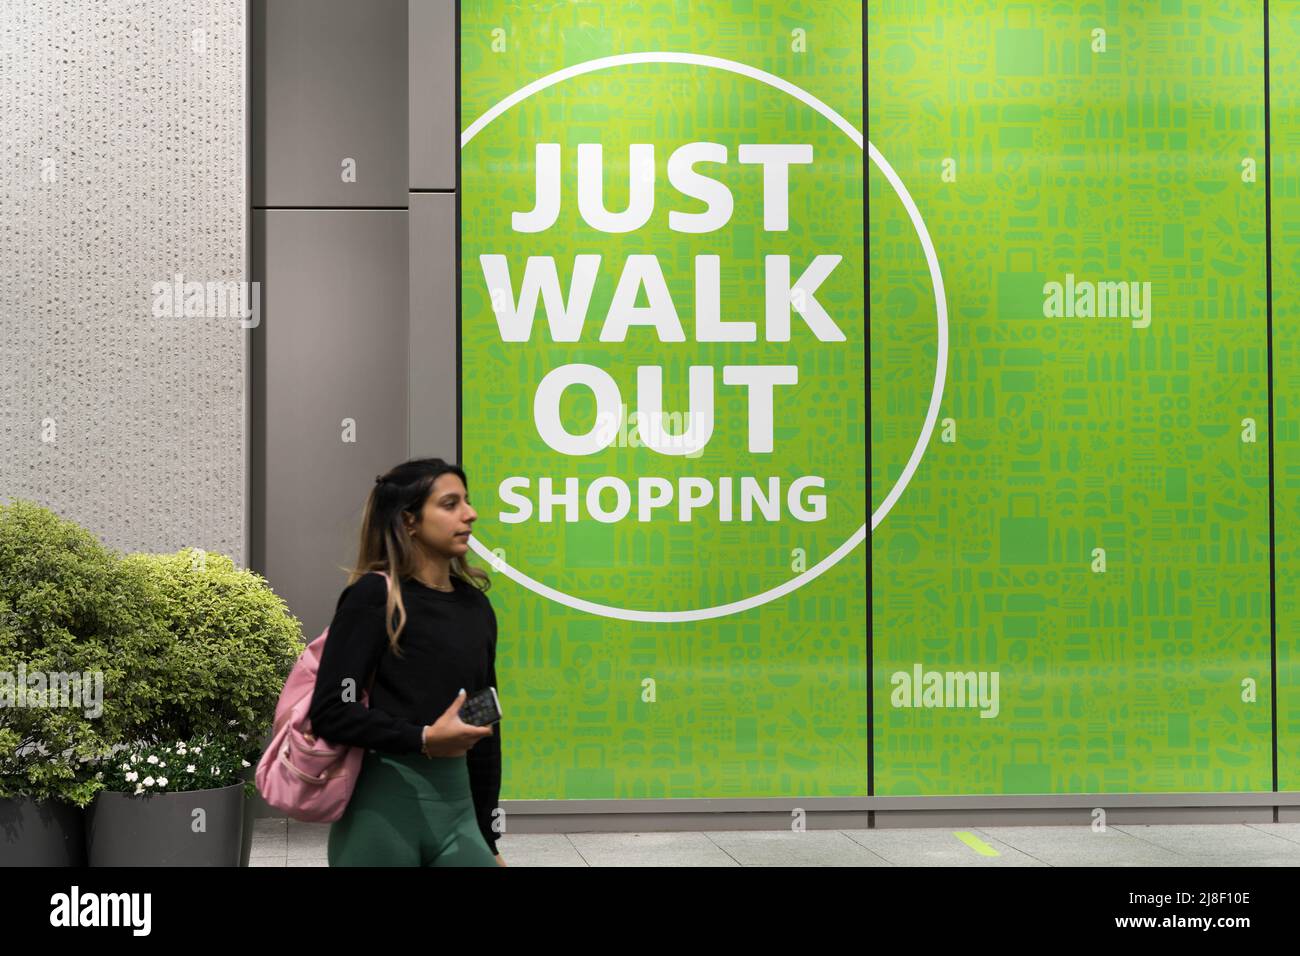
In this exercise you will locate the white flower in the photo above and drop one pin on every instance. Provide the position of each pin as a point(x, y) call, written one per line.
point(148, 781)
point(134, 757)
point(162, 781)
point(245, 763)
point(190, 768)
point(198, 750)
point(163, 764)
point(126, 766)
point(153, 758)
point(181, 750)
point(139, 789)
point(100, 775)
point(214, 769)
point(132, 776)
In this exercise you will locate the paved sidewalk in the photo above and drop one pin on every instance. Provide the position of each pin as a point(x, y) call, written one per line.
point(279, 842)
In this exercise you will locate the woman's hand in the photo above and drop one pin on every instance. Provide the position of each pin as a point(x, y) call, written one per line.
point(450, 736)
point(500, 861)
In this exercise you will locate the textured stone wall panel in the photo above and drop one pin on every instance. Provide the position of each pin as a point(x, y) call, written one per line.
point(123, 137)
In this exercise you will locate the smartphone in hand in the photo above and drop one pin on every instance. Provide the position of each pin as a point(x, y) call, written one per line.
point(481, 709)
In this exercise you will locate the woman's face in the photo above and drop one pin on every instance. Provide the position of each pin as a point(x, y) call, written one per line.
point(446, 518)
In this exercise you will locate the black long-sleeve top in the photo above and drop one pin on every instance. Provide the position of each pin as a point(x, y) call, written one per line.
point(449, 642)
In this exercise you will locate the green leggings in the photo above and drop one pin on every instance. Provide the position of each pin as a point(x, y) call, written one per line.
point(409, 810)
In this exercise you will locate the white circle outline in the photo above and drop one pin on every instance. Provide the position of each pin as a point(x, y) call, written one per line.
point(756, 600)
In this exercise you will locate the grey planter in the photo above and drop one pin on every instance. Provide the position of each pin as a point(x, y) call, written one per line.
point(41, 833)
point(160, 829)
point(250, 813)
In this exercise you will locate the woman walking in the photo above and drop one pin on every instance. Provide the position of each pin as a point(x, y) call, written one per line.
point(429, 782)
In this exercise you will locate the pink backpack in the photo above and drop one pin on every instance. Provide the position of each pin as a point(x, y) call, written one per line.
point(307, 778)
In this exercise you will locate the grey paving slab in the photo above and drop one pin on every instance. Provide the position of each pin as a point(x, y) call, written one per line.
point(538, 849)
point(276, 856)
point(278, 842)
point(1283, 831)
point(1190, 862)
point(1266, 861)
point(650, 849)
point(788, 848)
point(938, 846)
point(1214, 840)
point(307, 839)
point(1084, 846)
point(270, 836)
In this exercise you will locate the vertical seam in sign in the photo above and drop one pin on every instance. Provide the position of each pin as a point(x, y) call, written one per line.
point(247, 343)
point(460, 458)
point(413, 133)
point(1268, 300)
point(412, 222)
point(866, 299)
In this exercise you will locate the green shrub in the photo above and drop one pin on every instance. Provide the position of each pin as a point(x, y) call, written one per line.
point(187, 646)
point(65, 607)
point(233, 641)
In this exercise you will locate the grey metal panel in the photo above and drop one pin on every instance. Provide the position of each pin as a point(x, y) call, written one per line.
point(517, 822)
point(773, 813)
point(434, 137)
point(1085, 801)
point(523, 822)
point(329, 82)
point(433, 326)
point(332, 347)
point(1046, 817)
point(828, 814)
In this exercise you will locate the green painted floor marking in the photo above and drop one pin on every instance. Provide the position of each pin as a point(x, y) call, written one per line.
point(976, 844)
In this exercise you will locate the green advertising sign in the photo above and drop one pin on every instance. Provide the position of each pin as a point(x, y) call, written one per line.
point(1284, 81)
point(1088, 535)
point(663, 365)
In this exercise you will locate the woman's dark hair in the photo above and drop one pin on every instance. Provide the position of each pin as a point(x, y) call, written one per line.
point(386, 544)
